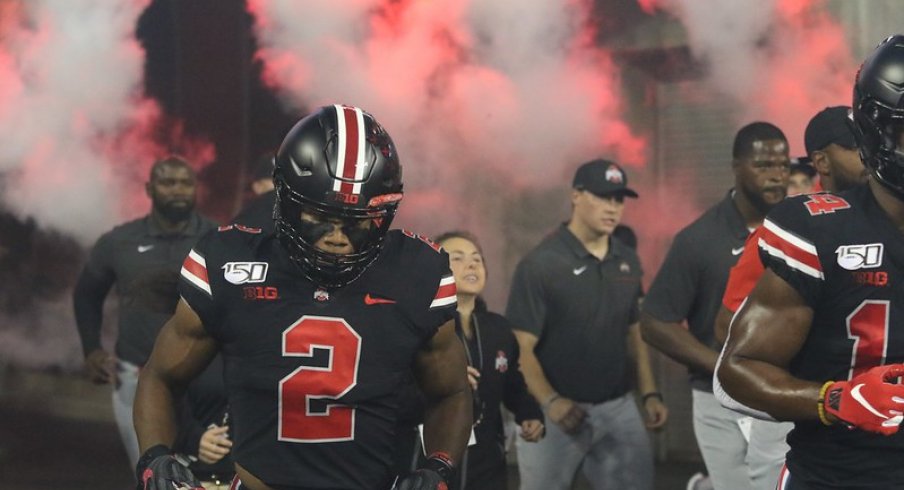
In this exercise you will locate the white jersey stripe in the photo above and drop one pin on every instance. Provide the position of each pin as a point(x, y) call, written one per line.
point(448, 300)
point(445, 281)
point(790, 261)
point(790, 238)
point(340, 160)
point(197, 258)
point(197, 281)
point(360, 163)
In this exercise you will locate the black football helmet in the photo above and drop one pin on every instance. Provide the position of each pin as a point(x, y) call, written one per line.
point(336, 167)
point(878, 113)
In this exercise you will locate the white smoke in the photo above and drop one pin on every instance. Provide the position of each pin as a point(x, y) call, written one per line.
point(71, 82)
point(485, 100)
point(781, 60)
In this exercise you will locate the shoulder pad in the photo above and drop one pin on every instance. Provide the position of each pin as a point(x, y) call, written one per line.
point(414, 236)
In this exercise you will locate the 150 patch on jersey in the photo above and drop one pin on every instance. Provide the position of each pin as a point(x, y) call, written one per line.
point(853, 257)
point(245, 272)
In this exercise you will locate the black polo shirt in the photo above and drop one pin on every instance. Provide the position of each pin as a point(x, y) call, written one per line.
point(690, 284)
point(580, 308)
point(138, 257)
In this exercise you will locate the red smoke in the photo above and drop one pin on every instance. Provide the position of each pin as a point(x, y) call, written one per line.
point(782, 60)
point(485, 100)
point(812, 69)
point(79, 138)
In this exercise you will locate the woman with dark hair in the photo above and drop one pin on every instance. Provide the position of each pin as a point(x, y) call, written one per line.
point(493, 369)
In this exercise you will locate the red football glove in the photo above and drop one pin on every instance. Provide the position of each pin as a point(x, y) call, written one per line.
point(872, 401)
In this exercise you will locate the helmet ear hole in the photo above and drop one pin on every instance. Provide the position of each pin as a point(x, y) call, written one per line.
point(335, 162)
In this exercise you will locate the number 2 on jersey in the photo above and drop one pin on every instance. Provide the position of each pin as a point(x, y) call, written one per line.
point(300, 420)
point(868, 327)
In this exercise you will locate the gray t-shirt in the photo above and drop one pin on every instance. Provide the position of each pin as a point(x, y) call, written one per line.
point(138, 257)
point(580, 309)
point(690, 284)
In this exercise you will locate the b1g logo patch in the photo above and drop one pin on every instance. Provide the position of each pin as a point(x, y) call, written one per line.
point(245, 272)
point(853, 257)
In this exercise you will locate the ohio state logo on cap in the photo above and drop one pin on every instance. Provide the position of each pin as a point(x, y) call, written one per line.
point(614, 175)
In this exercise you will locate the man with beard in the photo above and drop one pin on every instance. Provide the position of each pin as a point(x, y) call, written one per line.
point(132, 256)
point(818, 341)
point(830, 143)
point(690, 284)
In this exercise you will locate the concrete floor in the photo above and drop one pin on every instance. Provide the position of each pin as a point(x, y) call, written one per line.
point(57, 433)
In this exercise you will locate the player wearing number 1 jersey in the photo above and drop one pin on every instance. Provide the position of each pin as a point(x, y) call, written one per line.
point(820, 340)
point(318, 324)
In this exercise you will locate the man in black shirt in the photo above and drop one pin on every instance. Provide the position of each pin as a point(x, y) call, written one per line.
point(133, 256)
point(819, 341)
point(318, 325)
point(689, 287)
point(573, 304)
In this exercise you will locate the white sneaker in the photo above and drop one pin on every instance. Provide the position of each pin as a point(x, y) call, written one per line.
point(699, 482)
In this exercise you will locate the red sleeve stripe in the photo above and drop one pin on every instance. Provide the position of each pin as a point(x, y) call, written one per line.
point(351, 149)
point(794, 251)
point(445, 295)
point(194, 270)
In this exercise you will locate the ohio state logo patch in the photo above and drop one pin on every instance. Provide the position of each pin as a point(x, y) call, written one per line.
point(501, 362)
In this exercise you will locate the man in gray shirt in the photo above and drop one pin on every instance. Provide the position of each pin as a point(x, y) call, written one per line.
point(574, 305)
point(690, 284)
point(134, 256)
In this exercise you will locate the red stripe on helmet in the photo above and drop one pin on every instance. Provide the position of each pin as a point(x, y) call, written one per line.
point(350, 159)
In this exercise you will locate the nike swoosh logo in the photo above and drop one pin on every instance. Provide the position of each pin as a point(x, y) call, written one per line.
point(144, 248)
point(370, 300)
point(579, 270)
point(737, 251)
point(855, 394)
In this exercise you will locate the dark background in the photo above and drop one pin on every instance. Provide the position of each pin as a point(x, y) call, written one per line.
point(200, 67)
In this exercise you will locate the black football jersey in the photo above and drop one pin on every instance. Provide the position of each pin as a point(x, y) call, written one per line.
point(312, 374)
point(846, 259)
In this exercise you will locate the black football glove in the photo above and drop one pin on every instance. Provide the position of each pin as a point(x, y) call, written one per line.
point(433, 475)
point(158, 469)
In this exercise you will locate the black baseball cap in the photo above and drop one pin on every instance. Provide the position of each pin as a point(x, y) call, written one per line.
point(603, 178)
point(830, 125)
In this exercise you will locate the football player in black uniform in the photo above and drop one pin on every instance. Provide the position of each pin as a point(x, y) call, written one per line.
point(317, 325)
point(820, 341)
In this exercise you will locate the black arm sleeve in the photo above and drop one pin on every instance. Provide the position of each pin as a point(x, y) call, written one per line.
point(88, 299)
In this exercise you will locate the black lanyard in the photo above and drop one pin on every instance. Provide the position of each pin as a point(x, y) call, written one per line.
point(464, 340)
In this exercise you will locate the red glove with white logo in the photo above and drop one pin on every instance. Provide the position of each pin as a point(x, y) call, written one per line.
point(872, 401)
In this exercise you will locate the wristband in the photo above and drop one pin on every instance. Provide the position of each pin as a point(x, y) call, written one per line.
point(821, 404)
point(652, 394)
point(151, 454)
point(441, 463)
point(552, 398)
